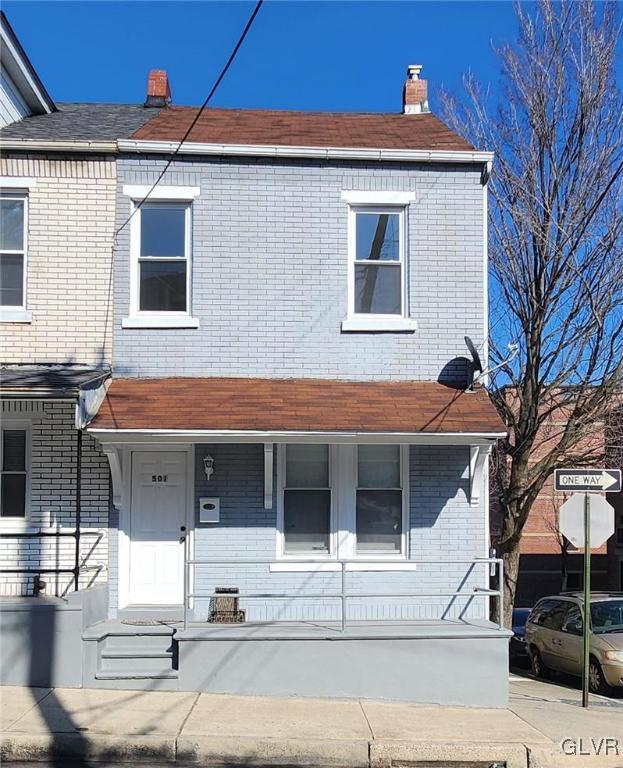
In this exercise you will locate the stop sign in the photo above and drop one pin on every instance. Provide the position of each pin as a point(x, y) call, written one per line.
point(571, 520)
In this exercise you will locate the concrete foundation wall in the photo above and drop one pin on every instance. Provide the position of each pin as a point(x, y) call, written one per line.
point(41, 638)
point(461, 671)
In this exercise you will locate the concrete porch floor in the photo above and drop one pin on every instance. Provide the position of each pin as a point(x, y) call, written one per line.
point(219, 730)
point(303, 630)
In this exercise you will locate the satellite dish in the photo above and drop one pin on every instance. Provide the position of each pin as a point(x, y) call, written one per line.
point(476, 362)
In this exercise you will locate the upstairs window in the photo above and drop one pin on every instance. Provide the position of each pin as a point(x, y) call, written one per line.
point(163, 258)
point(13, 251)
point(14, 472)
point(378, 275)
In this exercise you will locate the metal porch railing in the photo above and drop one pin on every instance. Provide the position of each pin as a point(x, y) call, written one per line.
point(493, 567)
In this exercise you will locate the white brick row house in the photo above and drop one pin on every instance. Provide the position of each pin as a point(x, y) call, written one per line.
point(242, 366)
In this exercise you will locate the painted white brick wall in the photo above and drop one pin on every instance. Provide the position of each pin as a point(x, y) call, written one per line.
point(70, 230)
point(53, 500)
point(270, 271)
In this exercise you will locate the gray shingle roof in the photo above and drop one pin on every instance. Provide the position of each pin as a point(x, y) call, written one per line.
point(82, 122)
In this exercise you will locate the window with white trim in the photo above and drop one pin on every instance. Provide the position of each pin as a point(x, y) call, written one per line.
point(162, 261)
point(14, 471)
point(377, 262)
point(379, 500)
point(307, 500)
point(342, 501)
point(13, 217)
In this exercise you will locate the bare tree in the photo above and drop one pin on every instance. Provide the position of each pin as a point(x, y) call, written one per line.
point(555, 244)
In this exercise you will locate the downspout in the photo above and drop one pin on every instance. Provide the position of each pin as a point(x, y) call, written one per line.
point(78, 509)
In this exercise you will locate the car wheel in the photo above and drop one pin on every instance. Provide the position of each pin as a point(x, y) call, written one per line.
point(596, 680)
point(538, 668)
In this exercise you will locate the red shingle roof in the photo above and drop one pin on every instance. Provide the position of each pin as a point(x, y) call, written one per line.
point(275, 405)
point(303, 129)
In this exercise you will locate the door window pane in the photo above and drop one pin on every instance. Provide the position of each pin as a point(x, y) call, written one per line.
point(11, 280)
point(13, 495)
point(306, 521)
point(14, 450)
point(379, 466)
point(378, 289)
point(163, 231)
point(307, 466)
point(11, 225)
point(163, 286)
point(378, 236)
point(379, 521)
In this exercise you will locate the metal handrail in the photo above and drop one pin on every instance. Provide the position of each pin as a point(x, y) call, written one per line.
point(78, 567)
point(343, 595)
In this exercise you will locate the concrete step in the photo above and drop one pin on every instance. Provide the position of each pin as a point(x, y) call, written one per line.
point(137, 673)
point(137, 644)
point(126, 666)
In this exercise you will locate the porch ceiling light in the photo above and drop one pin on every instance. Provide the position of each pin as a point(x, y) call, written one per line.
point(208, 466)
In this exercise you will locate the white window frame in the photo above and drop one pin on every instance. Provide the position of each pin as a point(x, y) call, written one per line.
point(378, 203)
point(26, 426)
point(181, 197)
point(343, 518)
point(13, 313)
point(281, 488)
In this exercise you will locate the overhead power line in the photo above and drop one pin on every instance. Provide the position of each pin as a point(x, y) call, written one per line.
point(195, 120)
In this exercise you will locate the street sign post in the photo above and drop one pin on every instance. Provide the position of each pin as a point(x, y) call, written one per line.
point(587, 520)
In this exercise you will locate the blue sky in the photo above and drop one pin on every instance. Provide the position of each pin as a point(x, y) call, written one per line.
point(301, 55)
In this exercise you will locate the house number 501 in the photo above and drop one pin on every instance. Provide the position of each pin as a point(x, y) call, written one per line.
point(158, 478)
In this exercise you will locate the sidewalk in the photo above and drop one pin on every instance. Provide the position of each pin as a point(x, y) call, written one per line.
point(211, 730)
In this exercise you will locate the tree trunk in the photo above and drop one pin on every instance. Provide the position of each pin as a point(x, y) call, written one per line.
point(511, 573)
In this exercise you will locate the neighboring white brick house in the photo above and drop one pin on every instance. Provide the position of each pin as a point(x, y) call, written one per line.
point(58, 200)
point(70, 217)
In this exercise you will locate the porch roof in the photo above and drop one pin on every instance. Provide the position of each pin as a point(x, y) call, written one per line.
point(310, 406)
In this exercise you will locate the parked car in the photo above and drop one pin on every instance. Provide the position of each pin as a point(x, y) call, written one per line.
point(518, 650)
point(554, 633)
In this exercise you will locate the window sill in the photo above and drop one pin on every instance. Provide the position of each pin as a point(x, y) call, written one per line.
point(15, 316)
point(285, 566)
point(164, 320)
point(16, 525)
point(378, 325)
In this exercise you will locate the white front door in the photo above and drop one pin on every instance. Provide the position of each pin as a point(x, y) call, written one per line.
point(157, 513)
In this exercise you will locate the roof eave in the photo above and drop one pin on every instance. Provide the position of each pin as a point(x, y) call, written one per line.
point(188, 436)
point(324, 153)
point(53, 145)
point(21, 69)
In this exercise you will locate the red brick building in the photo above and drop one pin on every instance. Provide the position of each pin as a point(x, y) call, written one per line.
point(549, 564)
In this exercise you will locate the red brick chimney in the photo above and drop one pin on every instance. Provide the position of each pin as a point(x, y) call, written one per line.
point(158, 90)
point(415, 92)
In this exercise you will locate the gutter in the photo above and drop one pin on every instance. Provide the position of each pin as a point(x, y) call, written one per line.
point(323, 153)
point(44, 145)
point(112, 435)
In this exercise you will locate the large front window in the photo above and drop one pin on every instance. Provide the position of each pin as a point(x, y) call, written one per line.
point(307, 500)
point(13, 251)
point(379, 500)
point(343, 501)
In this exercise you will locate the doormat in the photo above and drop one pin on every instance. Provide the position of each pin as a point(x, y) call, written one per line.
point(150, 622)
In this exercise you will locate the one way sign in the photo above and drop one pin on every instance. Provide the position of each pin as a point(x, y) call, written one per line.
point(595, 480)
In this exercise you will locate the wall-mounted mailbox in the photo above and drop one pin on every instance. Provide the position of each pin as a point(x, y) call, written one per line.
point(209, 510)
